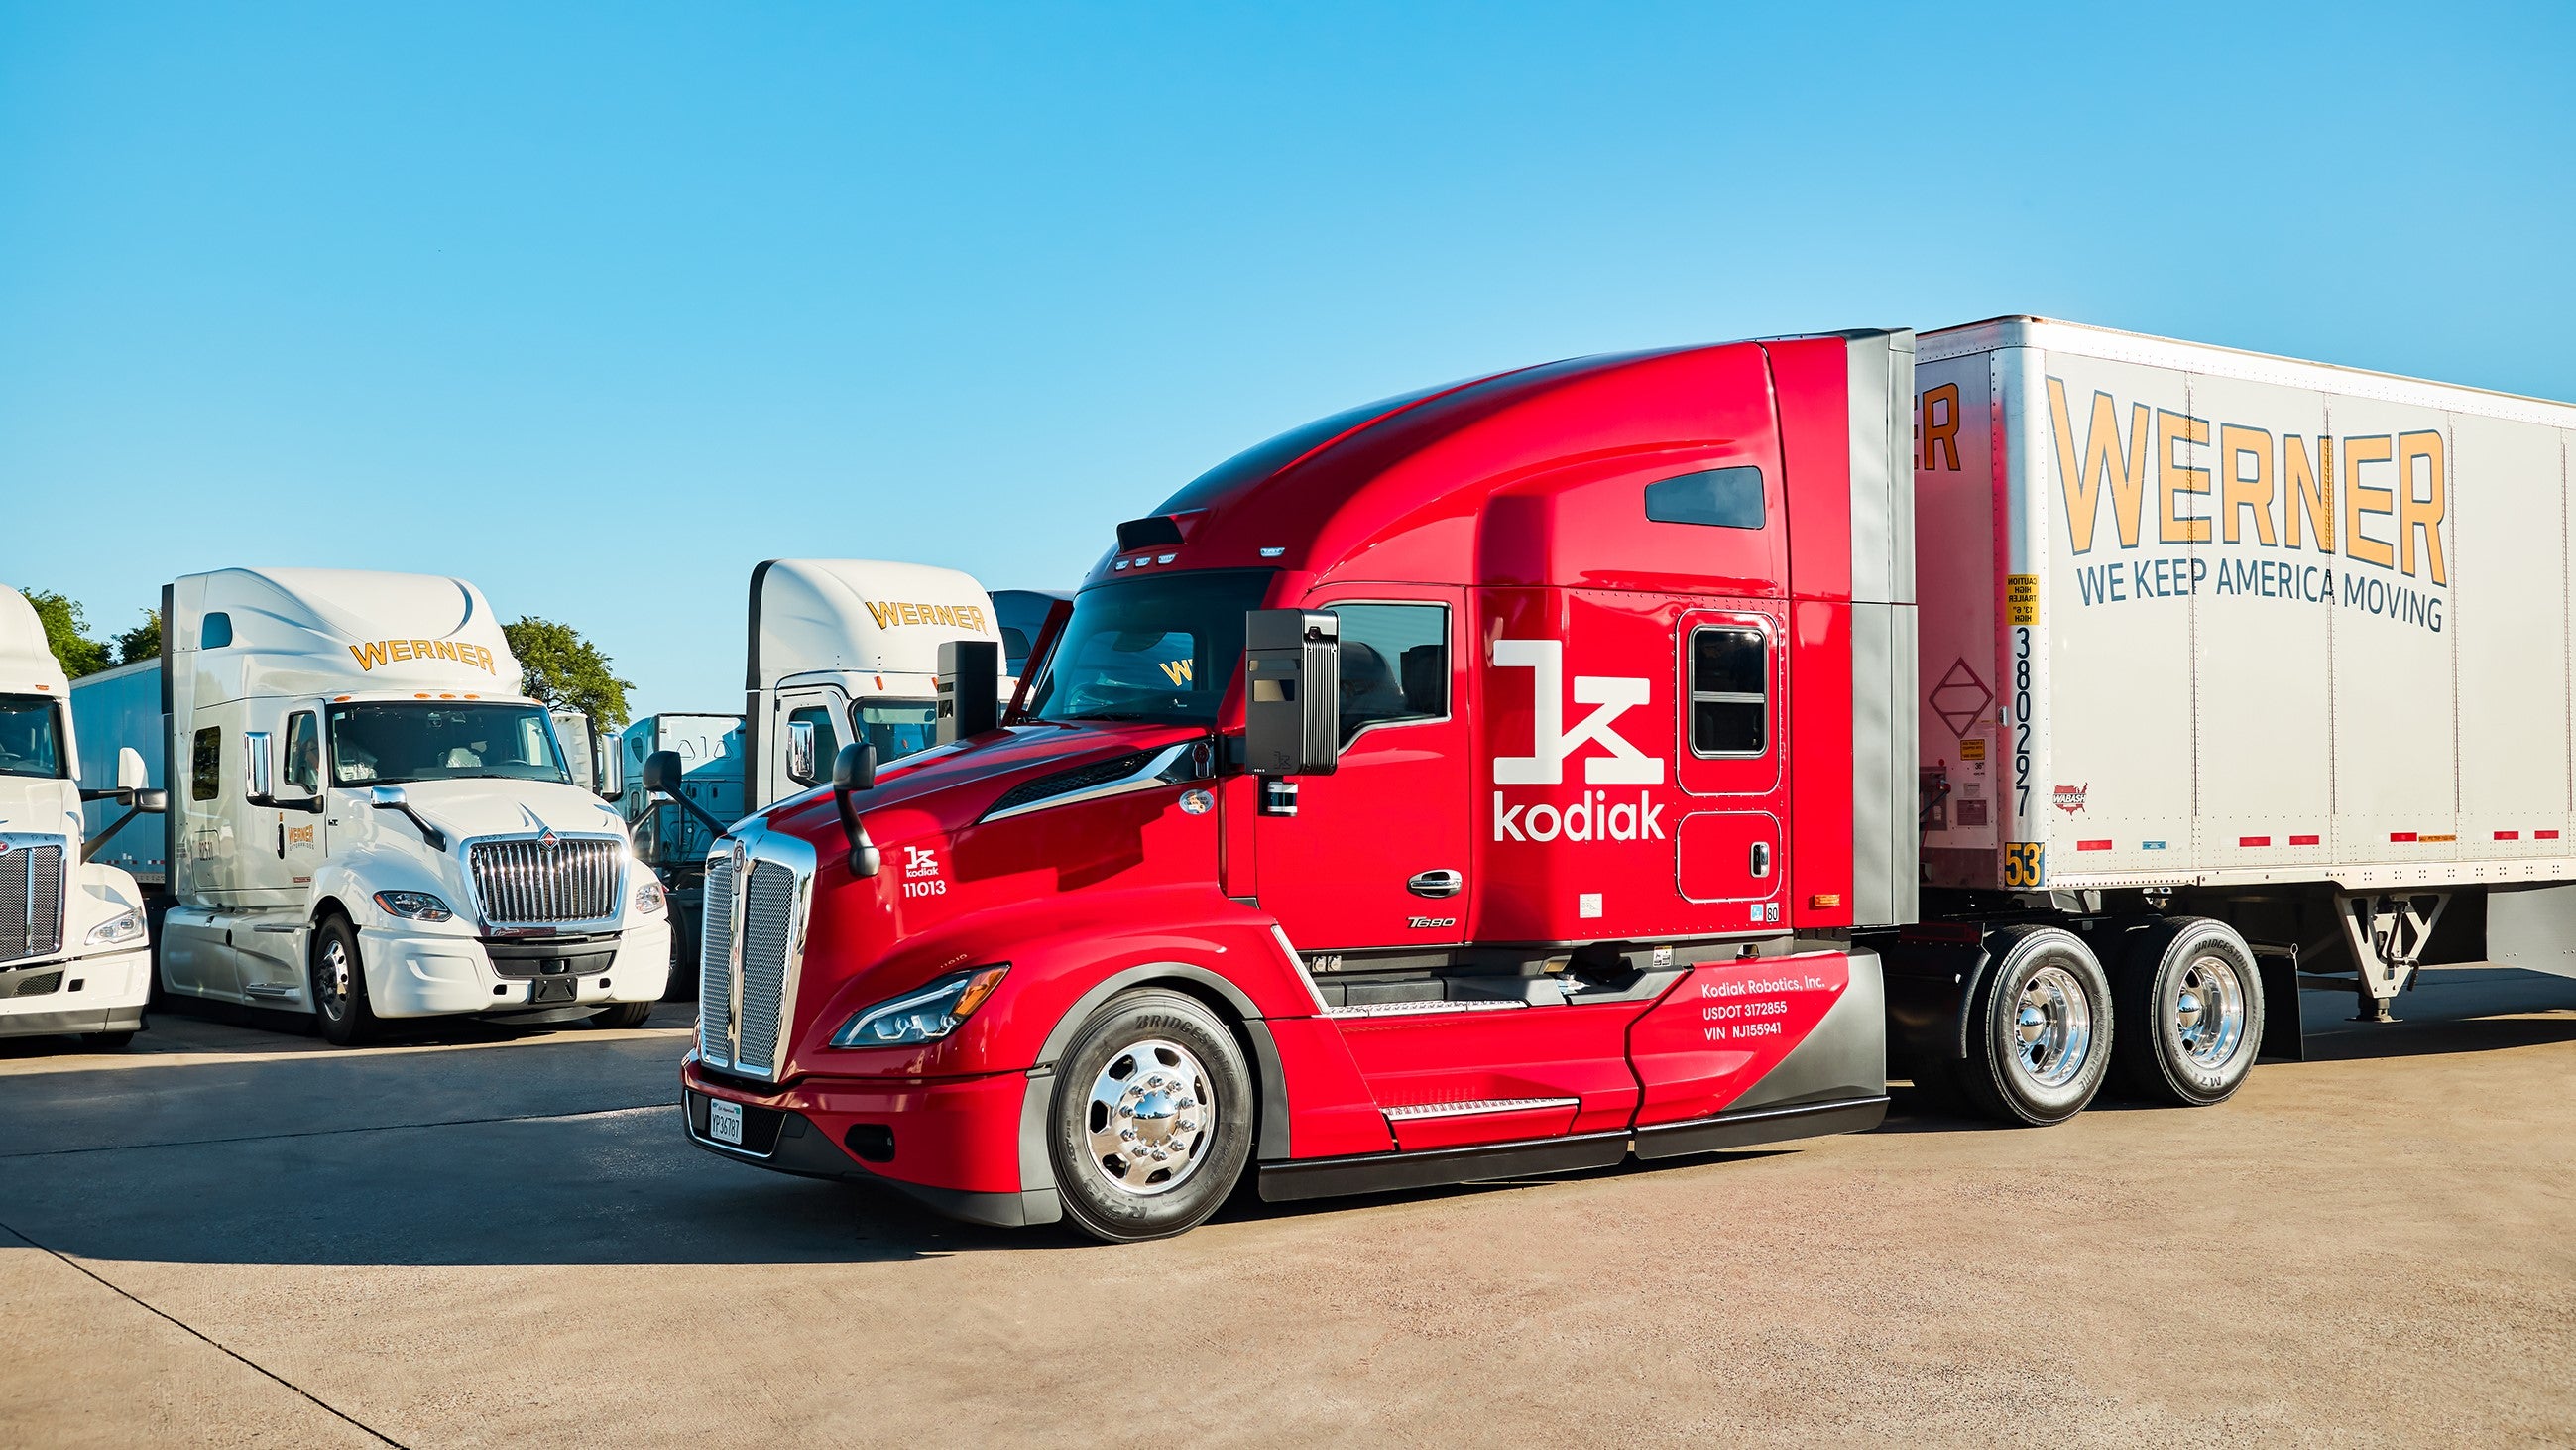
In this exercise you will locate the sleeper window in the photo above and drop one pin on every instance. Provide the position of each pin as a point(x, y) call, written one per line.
point(1395, 664)
point(1723, 498)
point(1729, 672)
point(206, 768)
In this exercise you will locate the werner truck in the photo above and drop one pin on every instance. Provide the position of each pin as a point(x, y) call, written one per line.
point(372, 821)
point(837, 650)
point(1652, 754)
point(75, 952)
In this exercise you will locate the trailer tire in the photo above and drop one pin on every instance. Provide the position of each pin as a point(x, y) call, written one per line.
point(2191, 997)
point(1150, 1065)
point(339, 985)
point(622, 1016)
point(2039, 1030)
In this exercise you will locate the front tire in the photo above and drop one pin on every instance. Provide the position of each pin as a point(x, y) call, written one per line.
point(2193, 1001)
point(1151, 1122)
point(623, 1015)
point(339, 985)
point(2039, 1035)
point(107, 1041)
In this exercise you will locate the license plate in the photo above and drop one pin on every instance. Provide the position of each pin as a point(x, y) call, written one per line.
point(555, 989)
point(724, 1121)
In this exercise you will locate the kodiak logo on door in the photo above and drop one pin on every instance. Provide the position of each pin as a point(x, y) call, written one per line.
point(1593, 816)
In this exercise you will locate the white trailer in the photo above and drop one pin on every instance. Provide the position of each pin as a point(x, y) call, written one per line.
point(2274, 644)
point(75, 955)
point(375, 823)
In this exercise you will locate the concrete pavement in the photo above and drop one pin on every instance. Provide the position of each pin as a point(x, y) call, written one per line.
point(228, 1236)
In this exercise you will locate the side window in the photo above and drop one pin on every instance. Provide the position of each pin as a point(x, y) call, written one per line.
point(1723, 498)
point(206, 768)
point(827, 741)
point(1729, 672)
point(1395, 664)
point(303, 752)
point(216, 632)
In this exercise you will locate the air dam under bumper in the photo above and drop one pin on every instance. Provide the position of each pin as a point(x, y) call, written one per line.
point(422, 975)
point(100, 992)
point(953, 1144)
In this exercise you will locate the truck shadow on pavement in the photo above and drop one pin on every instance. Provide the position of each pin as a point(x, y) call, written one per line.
point(566, 1148)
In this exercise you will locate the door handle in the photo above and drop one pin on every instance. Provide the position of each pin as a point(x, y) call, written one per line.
point(1761, 858)
point(1436, 884)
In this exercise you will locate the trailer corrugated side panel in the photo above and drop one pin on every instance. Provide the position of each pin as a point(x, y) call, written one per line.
point(2247, 619)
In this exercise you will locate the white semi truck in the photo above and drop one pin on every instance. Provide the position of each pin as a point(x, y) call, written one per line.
point(75, 956)
point(839, 651)
point(373, 822)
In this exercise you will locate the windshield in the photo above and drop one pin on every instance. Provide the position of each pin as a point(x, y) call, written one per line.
point(897, 727)
point(1162, 648)
point(389, 742)
point(31, 739)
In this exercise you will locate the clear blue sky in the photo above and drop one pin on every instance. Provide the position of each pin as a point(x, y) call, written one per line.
point(599, 306)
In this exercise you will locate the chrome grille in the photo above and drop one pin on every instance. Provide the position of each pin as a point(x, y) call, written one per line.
point(715, 966)
point(768, 913)
point(31, 899)
point(751, 951)
point(524, 881)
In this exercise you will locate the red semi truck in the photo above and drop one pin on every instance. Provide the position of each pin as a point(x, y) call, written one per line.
point(1528, 773)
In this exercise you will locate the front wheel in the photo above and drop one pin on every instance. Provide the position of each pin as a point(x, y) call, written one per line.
point(1151, 1122)
point(2039, 1035)
point(623, 1015)
point(2193, 1002)
point(340, 985)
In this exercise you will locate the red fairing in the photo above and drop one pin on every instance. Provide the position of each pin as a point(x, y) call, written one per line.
point(1596, 707)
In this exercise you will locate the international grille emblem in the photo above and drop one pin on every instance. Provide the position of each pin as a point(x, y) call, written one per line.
point(4, 848)
point(547, 840)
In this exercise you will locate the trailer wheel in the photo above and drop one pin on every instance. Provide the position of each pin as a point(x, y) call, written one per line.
point(1152, 1118)
point(2193, 1001)
point(340, 985)
point(2040, 1031)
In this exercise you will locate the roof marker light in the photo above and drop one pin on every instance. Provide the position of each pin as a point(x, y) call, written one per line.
point(1272, 553)
point(1121, 564)
point(1166, 558)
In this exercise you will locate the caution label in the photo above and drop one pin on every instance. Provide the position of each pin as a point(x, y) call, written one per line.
point(2021, 598)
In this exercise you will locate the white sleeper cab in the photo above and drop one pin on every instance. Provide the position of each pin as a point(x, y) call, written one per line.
point(369, 820)
point(74, 949)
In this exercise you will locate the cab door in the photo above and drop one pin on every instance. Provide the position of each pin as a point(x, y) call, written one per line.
point(1376, 856)
point(1727, 845)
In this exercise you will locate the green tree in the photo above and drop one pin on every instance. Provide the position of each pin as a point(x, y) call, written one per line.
point(66, 631)
point(567, 672)
point(142, 642)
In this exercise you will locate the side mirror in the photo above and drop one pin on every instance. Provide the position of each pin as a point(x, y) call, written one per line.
point(662, 778)
point(257, 765)
point(612, 769)
point(395, 798)
point(130, 771)
point(1292, 663)
point(800, 753)
point(153, 801)
point(855, 770)
point(969, 688)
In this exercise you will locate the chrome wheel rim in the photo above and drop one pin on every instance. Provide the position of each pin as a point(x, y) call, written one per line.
point(2207, 1011)
point(1150, 1118)
point(331, 980)
point(2052, 1028)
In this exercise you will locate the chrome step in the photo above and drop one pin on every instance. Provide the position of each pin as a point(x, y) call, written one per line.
point(1415, 1111)
point(1418, 1009)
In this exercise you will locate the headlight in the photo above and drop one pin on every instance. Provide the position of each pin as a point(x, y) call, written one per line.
point(924, 1016)
point(414, 905)
point(648, 897)
point(125, 926)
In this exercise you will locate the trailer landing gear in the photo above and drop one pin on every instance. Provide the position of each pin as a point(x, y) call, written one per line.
point(2387, 934)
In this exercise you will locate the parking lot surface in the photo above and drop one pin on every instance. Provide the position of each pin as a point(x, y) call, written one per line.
point(232, 1236)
